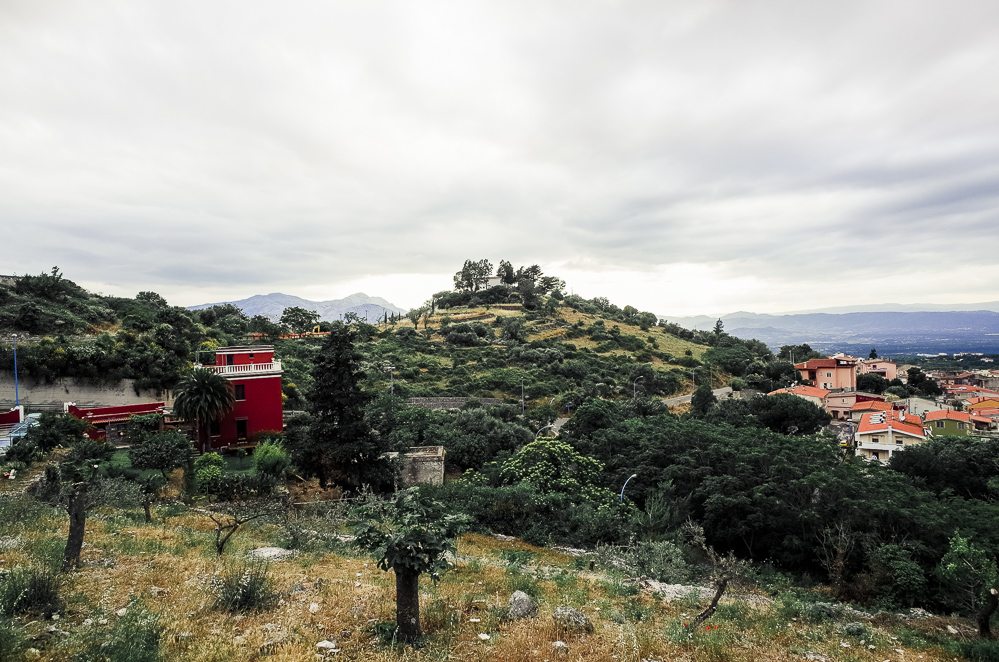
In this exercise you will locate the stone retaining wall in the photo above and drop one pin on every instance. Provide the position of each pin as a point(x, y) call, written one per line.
point(39, 396)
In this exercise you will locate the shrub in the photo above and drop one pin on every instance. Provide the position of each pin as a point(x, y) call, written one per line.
point(271, 459)
point(30, 590)
point(244, 587)
point(134, 637)
point(209, 460)
point(23, 451)
point(11, 641)
point(982, 650)
point(661, 560)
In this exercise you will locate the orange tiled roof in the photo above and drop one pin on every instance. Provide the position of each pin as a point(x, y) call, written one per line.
point(803, 391)
point(948, 415)
point(897, 421)
point(872, 405)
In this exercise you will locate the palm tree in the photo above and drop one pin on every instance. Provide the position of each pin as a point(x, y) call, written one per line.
point(203, 396)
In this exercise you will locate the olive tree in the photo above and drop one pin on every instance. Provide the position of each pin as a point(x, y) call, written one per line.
point(410, 535)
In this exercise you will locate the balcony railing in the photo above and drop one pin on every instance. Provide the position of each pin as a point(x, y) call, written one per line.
point(246, 368)
point(879, 446)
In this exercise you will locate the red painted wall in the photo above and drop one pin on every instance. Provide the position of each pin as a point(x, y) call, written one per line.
point(243, 358)
point(11, 417)
point(262, 410)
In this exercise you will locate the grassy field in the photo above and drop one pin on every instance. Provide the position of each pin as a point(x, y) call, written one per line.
point(331, 592)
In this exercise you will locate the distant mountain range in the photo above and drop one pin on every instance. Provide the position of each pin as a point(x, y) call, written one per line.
point(272, 305)
point(891, 332)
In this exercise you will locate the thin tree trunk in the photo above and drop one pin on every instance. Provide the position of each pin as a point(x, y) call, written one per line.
point(720, 586)
point(77, 509)
point(407, 604)
point(985, 615)
point(145, 508)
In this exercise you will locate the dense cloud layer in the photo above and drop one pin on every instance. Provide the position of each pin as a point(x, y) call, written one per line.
point(681, 156)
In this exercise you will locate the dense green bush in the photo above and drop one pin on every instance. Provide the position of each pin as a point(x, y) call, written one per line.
point(522, 511)
point(271, 459)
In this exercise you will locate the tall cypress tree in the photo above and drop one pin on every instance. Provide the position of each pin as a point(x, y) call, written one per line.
point(339, 444)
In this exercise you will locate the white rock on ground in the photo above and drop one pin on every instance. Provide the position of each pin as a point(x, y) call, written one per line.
point(270, 553)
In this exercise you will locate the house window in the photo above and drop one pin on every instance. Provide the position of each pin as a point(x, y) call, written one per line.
point(875, 440)
point(898, 442)
point(940, 424)
point(240, 391)
point(241, 429)
point(828, 374)
point(214, 429)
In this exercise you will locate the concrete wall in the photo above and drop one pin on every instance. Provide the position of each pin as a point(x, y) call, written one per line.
point(449, 402)
point(50, 397)
point(422, 465)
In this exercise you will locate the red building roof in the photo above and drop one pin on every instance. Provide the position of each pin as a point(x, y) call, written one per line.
point(948, 415)
point(117, 414)
point(872, 405)
point(896, 421)
point(803, 391)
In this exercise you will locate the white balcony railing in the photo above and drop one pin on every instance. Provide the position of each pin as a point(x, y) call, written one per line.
point(875, 446)
point(246, 369)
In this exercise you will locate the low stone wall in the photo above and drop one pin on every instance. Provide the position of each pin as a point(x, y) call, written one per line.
point(449, 403)
point(37, 396)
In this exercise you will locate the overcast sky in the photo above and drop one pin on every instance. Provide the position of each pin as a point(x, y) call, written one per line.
point(682, 157)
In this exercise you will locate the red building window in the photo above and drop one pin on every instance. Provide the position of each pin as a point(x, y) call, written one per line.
point(240, 391)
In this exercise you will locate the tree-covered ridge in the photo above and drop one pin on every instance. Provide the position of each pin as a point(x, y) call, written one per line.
point(553, 346)
point(69, 332)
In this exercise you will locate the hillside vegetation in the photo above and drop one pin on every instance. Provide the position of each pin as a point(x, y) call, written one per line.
point(150, 591)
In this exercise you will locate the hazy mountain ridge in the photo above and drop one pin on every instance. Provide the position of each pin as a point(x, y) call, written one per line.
point(889, 331)
point(272, 305)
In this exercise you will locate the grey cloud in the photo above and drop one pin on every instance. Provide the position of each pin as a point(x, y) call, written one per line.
point(273, 146)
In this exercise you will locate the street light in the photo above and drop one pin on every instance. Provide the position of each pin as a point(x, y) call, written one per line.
point(17, 393)
point(634, 387)
point(626, 484)
point(538, 433)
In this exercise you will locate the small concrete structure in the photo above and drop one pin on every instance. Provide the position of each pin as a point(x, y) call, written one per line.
point(421, 465)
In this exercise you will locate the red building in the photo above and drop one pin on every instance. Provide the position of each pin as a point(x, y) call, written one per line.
point(255, 376)
point(110, 422)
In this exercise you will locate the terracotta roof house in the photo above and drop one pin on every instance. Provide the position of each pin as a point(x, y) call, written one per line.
point(981, 402)
point(948, 423)
point(867, 407)
point(837, 372)
point(881, 434)
point(884, 367)
point(839, 404)
point(814, 395)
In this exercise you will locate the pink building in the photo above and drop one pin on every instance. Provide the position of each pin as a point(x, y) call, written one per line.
point(883, 367)
point(835, 373)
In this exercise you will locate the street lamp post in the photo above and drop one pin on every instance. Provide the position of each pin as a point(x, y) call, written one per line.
point(391, 371)
point(626, 485)
point(538, 433)
point(17, 393)
point(634, 387)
